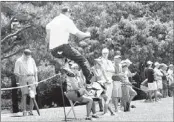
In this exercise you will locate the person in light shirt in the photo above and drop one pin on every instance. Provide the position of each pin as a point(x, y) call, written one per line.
point(170, 78)
point(26, 72)
point(58, 32)
point(108, 68)
point(158, 77)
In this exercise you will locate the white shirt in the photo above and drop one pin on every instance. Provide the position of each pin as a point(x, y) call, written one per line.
point(60, 28)
point(23, 67)
point(158, 74)
point(108, 67)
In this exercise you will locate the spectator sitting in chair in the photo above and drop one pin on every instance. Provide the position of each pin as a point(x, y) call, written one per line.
point(76, 91)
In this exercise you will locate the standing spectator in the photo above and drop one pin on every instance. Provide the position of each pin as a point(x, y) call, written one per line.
point(109, 70)
point(58, 31)
point(131, 91)
point(145, 83)
point(170, 78)
point(164, 79)
point(117, 78)
point(26, 72)
point(152, 87)
point(158, 77)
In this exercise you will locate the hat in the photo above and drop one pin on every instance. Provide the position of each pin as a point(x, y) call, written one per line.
point(128, 61)
point(156, 64)
point(65, 9)
point(123, 63)
point(117, 56)
point(163, 65)
point(149, 62)
point(27, 51)
point(98, 60)
point(74, 65)
point(105, 50)
point(171, 65)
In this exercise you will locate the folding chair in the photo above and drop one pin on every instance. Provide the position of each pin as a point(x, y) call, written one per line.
point(72, 106)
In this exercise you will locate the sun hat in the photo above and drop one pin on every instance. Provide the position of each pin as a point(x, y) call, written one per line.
point(117, 56)
point(149, 62)
point(156, 63)
point(105, 50)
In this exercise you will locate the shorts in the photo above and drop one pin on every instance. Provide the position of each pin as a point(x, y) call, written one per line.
point(159, 84)
point(144, 88)
point(152, 86)
point(117, 91)
point(72, 95)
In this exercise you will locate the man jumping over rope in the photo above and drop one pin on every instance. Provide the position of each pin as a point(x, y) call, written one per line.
point(58, 31)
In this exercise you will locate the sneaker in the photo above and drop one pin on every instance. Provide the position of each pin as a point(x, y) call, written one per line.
point(113, 114)
point(118, 110)
point(133, 106)
point(30, 113)
point(95, 116)
point(101, 111)
point(105, 114)
point(88, 118)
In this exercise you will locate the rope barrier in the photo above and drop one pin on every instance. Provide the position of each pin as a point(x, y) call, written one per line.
point(4, 89)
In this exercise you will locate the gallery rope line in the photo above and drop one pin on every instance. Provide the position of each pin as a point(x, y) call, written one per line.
point(4, 89)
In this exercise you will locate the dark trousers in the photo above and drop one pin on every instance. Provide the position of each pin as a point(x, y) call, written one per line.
point(73, 54)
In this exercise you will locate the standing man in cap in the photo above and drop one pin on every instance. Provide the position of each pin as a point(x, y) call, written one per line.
point(26, 72)
point(58, 31)
point(152, 87)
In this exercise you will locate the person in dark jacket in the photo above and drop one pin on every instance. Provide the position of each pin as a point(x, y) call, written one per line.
point(152, 86)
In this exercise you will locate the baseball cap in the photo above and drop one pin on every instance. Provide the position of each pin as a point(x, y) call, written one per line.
point(27, 52)
point(117, 56)
point(149, 62)
point(105, 50)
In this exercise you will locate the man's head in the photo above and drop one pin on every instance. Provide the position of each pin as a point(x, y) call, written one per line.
point(117, 59)
point(105, 53)
point(163, 66)
point(66, 10)
point(27, 53)
point(156, 64)
point(149, 63)
point(171, 66)
point(75, 68)
point(117, 52)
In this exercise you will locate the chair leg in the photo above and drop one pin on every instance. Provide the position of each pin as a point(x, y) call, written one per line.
point(72, 108)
